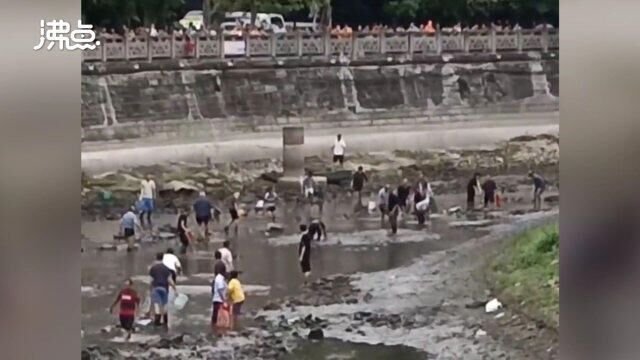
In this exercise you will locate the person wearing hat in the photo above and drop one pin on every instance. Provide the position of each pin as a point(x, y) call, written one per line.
point(128, 224)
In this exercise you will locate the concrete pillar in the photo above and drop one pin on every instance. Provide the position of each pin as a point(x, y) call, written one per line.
point(292, 154)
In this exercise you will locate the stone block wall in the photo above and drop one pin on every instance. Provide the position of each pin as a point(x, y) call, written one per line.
point(187, 101)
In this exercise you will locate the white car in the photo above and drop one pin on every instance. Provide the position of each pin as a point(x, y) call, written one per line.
point(194, 17)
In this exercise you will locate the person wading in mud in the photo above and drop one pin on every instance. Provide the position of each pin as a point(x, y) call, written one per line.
point(183, 230)
point(203, 210)
point(383, 202)
point(339, 146)
point(308, 187)
point(473, 188)
point(357, 183)
point(147, 198)
point(226, 256)
point(159, 288)
point(394, 210)
point(234, 207)
point(173, 263)
point(128, 224)
point(404, 190)
point(218, 264)
point(539, 186)
point(422, 199)
point(489, 188)
point(129, 302)
point(218, 295)
point(304, 252)
point(236, 296)
point(270, 199)
point(316, 226)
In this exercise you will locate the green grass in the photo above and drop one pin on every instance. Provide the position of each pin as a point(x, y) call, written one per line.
point(525, 274)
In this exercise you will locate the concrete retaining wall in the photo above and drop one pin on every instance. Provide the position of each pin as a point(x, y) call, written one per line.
point(196, 100)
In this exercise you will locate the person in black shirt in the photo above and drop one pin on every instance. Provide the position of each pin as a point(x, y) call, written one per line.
point(489, 188)
point(394, 210)
point(539, 185)
point(472, 186)
point(304, 252)
point(233, 203)
point(403, 194)
point(183, 230)
point(159, 288)
point(357, 183)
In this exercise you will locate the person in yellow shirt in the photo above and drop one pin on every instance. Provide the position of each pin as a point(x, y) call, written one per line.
point(236, 295)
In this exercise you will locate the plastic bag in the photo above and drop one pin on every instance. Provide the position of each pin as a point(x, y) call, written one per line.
point(180, 301)
point(224, 317)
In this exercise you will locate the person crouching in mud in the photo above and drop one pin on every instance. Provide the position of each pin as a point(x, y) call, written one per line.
point(316, 226)
point(304, 252)
point(183, 230)
point(539, 186)
point(128, 223)
point(394, 210)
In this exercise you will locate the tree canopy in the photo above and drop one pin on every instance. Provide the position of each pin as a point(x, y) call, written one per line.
point(115, 13)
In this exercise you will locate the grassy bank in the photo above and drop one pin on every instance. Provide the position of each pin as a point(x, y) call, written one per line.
point(525, 274)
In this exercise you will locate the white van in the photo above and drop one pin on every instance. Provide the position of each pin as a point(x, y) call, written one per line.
point(194, 17)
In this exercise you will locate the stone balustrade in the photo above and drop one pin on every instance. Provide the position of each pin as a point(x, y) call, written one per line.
point(298, 44)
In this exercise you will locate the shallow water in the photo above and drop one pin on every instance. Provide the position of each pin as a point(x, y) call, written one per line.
point(263, 265)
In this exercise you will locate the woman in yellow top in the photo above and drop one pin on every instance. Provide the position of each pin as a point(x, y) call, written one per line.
point(236, 295)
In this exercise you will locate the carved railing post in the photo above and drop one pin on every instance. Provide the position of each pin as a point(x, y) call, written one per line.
point(466, 39)
point(438, 40)
point(327, 43)
point(354, 45)
point(197, 45)
point(149, 48)
point(247, 44)
point(173, 45)
point(493, 41)
point(103, 48)
point(410, 44)
point(220, 43)
point(545, 39)
point(382, 38)
point(299, 42)
point(519, 39)
point(125, 45)
point(272, 44)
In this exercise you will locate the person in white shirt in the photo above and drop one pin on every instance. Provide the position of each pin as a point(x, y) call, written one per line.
point(173, 263)
point(227, 256)
point(147, 198)
point(383, 202)
point(339, 146)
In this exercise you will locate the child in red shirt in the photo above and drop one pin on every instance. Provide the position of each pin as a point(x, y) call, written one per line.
point(129, 302)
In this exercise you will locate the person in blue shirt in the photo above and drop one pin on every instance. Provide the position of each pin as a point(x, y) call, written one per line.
point(203, 210)
point(128, 223)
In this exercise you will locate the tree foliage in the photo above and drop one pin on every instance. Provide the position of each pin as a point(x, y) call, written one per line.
point(354, 12)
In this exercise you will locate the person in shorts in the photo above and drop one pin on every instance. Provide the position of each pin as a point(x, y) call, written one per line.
point(129, 301)
point(128, 224)
point(236, 295)
point(203, 209)
point(233, 204)
point(357, 184)
point(161, 280)
point(339, 146)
